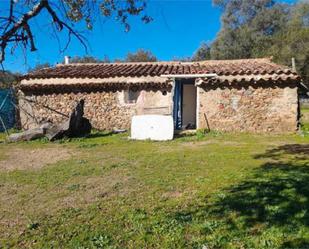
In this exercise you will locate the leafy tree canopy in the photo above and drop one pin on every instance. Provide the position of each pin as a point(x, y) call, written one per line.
point(39, 66)
point(263, 28)
point(293, 40)
point(7, 79)
point(248, 27)
point(202, 53)
point(141, 55)
point(240, 12)
point(88, 59)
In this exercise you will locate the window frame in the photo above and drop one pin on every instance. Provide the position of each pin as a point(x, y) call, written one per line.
point(130, 99)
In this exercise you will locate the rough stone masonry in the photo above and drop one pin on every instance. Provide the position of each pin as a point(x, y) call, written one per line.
point(252, 109)
point(106, 110)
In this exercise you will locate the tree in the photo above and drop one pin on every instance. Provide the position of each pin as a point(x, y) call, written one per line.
point(16, 22)
point(248, 27)
point(237, 13)
point(263, 28)
point(7, 79)
point(202, 53)
point(293, 41)
point(39, 66)
point(141, 55)
point(88, 59)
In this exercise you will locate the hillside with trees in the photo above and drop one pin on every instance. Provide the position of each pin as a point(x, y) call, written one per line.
point(7, 79)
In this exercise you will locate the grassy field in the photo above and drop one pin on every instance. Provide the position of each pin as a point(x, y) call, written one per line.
point(204, 191)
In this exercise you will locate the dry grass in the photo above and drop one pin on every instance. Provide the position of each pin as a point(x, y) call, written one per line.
point(29, 159)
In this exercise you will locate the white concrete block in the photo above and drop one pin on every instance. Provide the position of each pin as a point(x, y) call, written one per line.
point(153, 127)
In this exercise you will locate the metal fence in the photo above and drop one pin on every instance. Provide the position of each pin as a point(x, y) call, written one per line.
point(7, 109)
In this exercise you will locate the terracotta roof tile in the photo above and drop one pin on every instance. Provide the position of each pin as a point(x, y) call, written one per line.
point(228, 71)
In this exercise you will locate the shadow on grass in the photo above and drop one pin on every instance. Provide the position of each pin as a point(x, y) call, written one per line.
point(274, 198)
point(288, 149)
point(99, 134)
point(278, 193)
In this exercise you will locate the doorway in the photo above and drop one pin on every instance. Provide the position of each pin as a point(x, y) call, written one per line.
point(185, 104)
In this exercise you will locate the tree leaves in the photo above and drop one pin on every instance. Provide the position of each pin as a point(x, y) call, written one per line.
point(263, 28)
point(141, 55)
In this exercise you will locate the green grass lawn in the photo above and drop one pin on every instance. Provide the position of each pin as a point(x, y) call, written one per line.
point(213, 191)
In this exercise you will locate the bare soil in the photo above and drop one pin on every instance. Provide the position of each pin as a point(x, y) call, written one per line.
point(172, 194)
point(25, 159)
point(212, 141)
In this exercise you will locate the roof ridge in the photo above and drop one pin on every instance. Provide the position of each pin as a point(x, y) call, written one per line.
point(128, 63)
point(239, 67)
point(266, 59)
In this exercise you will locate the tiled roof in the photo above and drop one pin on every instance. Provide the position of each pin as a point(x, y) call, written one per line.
point(106, 70)
point(227, 71)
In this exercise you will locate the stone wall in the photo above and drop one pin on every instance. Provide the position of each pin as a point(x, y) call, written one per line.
point(106, 110)
point(248, 109)
point(258, 110)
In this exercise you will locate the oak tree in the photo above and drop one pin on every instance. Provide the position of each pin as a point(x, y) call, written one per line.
point(141, 55)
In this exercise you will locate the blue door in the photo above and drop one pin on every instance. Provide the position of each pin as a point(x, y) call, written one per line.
point(177, 113)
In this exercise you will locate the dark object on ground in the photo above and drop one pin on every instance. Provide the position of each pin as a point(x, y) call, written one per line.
point(190, 126)
point(75, 126)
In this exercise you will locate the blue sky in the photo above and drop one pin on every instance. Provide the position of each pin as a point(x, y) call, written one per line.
point(177, 30)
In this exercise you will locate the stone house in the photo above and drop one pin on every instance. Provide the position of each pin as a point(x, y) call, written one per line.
point(251, 95)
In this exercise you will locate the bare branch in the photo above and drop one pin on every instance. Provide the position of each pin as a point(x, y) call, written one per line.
point(18, 26)
point(28, 31)
point(10, 18)
point(55, 17)
point(77, 35)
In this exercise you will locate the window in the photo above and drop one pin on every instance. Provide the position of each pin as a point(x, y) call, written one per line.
point(130, 96)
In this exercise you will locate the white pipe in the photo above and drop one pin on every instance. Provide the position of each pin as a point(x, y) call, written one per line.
point(197, 108)
point(209, 75)
point(66, 60)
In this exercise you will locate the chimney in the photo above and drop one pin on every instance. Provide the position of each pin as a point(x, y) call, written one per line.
point(293, 64)
point(66, 60)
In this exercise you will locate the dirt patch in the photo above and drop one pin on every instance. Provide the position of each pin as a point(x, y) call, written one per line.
point(96, 188)
point(172, 194)
point(211, 141)
point(23, 159)
point(196, 144)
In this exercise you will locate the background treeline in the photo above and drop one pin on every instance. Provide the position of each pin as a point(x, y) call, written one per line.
point(8, 79)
